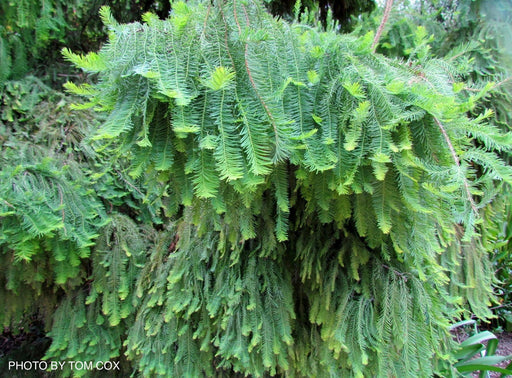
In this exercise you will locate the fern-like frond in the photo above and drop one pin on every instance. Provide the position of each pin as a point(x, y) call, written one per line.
point(317, 188)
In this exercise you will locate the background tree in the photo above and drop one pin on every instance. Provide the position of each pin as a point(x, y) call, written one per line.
point(32, 32)
point(480, 31)
point(54, 205)
point(329, 160)
point(345, 11)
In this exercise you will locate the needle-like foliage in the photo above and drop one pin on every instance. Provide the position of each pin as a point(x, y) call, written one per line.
point(324, 200)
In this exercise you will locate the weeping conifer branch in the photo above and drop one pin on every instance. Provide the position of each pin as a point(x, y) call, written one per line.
point(309, 195)
point(457, 162)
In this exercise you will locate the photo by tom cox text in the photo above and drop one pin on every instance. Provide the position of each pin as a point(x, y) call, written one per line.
point(61, 365)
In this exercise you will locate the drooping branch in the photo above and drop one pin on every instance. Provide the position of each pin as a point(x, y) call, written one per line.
point(504, 81)
point(457, 162)
point(128, 183)
point(249, 73)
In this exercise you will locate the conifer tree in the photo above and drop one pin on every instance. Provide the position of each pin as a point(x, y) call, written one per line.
point(477, 31)
point(318, 203)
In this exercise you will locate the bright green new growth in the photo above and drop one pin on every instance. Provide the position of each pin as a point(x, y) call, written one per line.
point(325, 201)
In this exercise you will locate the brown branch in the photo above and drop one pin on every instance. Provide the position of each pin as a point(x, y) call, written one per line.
point(500, 306)
point(9, 204)
point(69, 75)
point(128, 183)
point(387, 11)
point(492, 88)
point(398, 273)
point(206, 20)
point(457, 162)
point(452, 151)
point(501, 83)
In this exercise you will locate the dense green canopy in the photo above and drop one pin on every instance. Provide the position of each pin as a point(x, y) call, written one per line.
point(265, 197)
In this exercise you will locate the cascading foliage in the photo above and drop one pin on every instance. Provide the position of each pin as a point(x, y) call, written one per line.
point(324, 200)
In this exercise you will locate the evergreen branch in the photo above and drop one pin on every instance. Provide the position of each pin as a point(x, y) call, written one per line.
point(129, 183)
point(501, 83)
point(360, 177)
point(249, 73)
point(402, 275)
point(62, 207)
point(387, 11)
point(457, 162)
point(249, 137)
point(9, 204)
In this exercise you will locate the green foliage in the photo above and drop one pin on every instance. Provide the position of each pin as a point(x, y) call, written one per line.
point(471, 355)
point(497, 239)
point(208, 302)
point(293, 135)
point(52, 205)
point(32, 32)
point(48, 209)
point(28, 28)
point(119, 254)
point(260, 197)
point(345, 12)
point(471, 34)
point(324, 200)
point(103, 311)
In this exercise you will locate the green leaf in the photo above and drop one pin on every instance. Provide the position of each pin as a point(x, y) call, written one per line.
point(467, 351)
point(478, 338)
point(486, 363)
